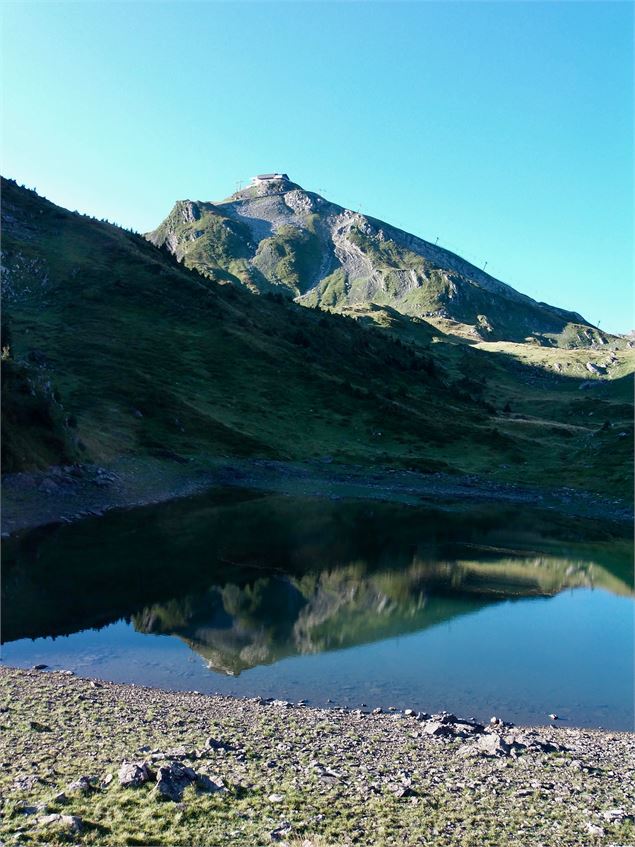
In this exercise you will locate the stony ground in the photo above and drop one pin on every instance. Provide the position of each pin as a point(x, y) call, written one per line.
point(87, 762)
point(73, 492)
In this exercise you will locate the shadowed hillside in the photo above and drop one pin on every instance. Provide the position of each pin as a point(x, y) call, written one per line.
point(117, 349)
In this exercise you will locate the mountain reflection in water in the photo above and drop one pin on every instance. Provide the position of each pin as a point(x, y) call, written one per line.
point(247, 579)
point(236, 627)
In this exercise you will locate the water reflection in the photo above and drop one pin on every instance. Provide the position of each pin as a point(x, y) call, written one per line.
point(248, 579)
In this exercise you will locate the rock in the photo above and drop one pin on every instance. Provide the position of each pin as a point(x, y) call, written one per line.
point(553, 717)
point(26, 782)
point(72, 822)
point(405, 791)
point(39, 727)
point(206, 783)
point(595, 369)
point(409, 713)
point(592, 829)
point(377, 711)
point(47, 820)
point(216, 744)
point(172, 780)
point(134, 774)
point(327, 774)
point(83, 785)
point(61, 799)
point(445, 718)
point(281, 831)
point(436, 728)
point(107, 780)
point(39, 667)
point(617, 816)
point(488, 744)
point(464, 729)
point(532, 741)
point(275, 798)
point(179, 753)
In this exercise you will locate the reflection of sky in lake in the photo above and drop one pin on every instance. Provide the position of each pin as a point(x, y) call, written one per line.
point(572, 654)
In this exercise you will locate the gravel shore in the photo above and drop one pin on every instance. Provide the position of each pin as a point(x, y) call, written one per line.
point(90, 762)
point(71, 493)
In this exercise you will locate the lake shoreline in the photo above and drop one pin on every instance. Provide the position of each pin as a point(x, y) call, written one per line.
point(251, 772)
point(72, 493)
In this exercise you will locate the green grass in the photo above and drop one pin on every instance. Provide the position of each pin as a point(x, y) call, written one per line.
point(291, 258)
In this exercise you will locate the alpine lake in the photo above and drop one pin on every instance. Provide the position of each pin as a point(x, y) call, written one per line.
point(486, 610)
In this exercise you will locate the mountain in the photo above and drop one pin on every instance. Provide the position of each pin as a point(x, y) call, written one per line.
point(275, 236)
point(113, 350)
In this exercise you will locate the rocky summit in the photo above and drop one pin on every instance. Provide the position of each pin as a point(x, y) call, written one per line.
point(276, 236)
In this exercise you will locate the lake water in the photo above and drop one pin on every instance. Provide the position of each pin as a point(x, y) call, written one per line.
point(490, 610)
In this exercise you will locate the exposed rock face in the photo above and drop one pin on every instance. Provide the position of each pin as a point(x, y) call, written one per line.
point(345, 258)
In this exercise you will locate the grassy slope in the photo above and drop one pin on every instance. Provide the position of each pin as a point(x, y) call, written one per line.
point(148, 357)
point(547, 426)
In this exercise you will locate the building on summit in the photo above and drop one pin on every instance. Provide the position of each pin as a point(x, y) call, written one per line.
point(267, 178)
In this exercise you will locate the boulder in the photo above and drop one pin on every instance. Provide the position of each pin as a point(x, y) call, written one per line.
point(134, 774)
point(437, 728)
point(72, 822)
point(172, 780)
point(488, 744)
point(281, 831)
point(83, 785)
point(445, 718)
point(206, 783)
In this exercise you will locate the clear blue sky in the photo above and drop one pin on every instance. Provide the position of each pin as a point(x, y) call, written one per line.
point(505, 129)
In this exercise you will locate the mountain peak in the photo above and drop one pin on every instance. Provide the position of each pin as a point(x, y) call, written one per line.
point(265, 185)
point(274, 235)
